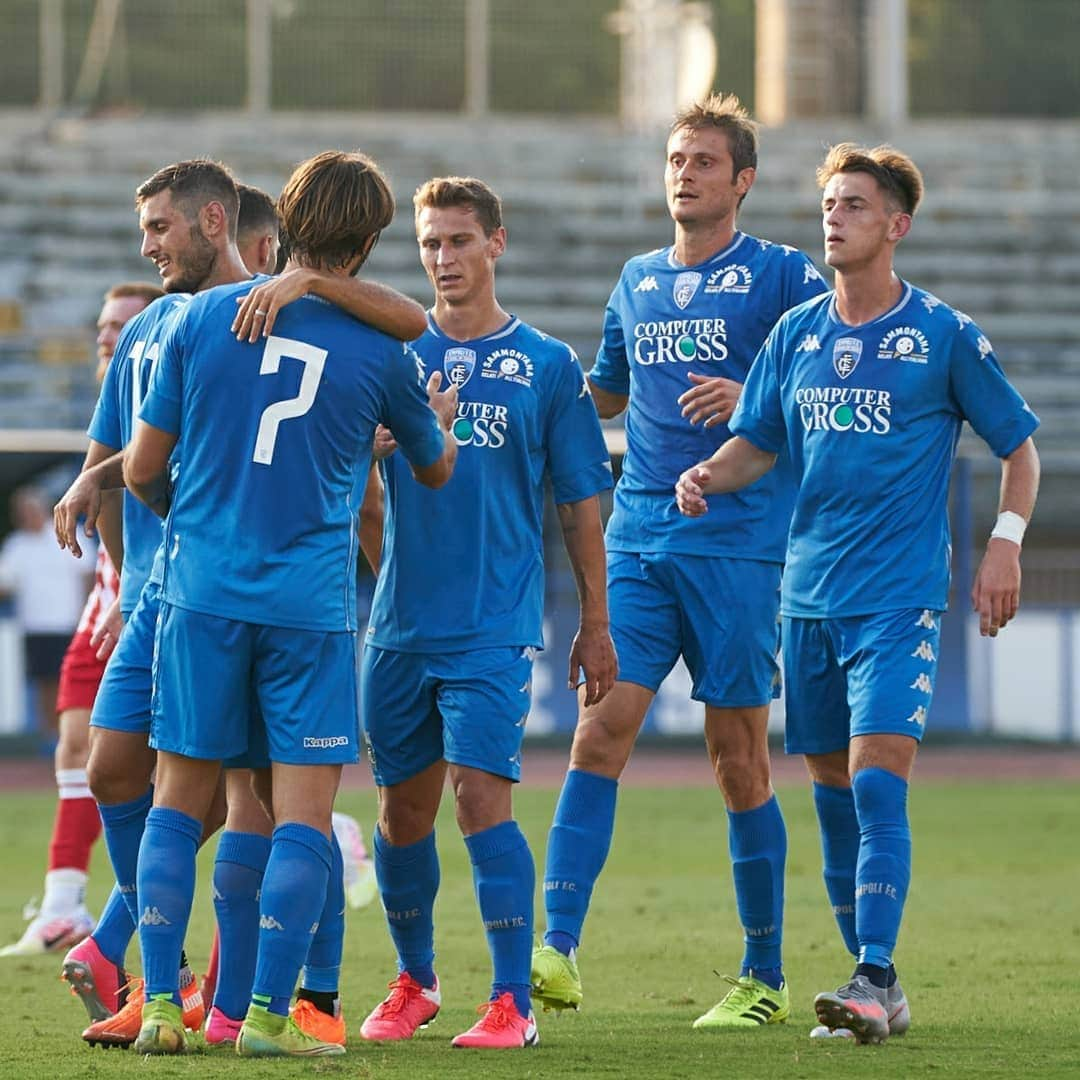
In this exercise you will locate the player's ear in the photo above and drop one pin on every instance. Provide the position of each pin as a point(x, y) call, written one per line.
point(497, 241)
point(744, 180)
point(900, 226)
point(212, 219)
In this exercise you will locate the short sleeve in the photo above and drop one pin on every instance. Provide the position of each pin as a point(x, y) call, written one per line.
point(408, 415)
point(578, 461)
point(105, 423)
point(985, 397)
point(164, 395)
point(611, 371)
point(759, 415)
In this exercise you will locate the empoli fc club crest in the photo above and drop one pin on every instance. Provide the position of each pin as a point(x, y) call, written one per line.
point(685, 286)
point(458, 365)
point(845, 357)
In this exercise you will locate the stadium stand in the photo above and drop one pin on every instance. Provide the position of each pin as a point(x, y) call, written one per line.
point(998, 234)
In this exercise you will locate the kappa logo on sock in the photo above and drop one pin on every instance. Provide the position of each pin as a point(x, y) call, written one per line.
point(268, 922)
point(214, 894)
point(152, 917)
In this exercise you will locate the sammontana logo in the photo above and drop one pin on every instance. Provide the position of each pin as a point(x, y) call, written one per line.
point(904, 343)
point(730, 279)
point(510, 364)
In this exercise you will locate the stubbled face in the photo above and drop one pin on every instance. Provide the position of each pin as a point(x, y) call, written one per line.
point(859, 222)
point(180, 250)
point(698, 177)
point(458, 256)
point(116, 311)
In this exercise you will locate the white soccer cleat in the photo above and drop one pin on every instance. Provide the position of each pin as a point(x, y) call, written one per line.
point(360, 884)
point(52, 933)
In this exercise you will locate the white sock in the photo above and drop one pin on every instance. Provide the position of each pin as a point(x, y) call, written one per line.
point(65, 891)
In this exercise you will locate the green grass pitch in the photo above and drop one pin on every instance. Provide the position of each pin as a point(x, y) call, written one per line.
point(990, 952)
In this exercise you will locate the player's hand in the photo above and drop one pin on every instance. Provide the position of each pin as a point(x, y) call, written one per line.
point(443, 403)
point(711, 400)
point(257, 311)
point(107, 633)
point(593, 654)
point(690, 491)
point(385, 443)
point(996, 592)
point(83, 498)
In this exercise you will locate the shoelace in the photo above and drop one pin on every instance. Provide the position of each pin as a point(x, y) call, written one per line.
point(400, 994)
point(858, 992)
point(497, 1014)
point(742, 991)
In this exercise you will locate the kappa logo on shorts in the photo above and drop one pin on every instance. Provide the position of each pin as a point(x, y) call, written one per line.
point(325, 743)
point(918, 716)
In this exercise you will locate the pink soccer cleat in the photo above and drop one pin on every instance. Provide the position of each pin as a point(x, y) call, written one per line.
point(500, 1027)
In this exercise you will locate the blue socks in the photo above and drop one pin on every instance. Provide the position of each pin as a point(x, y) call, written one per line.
point(505, 879)
point(408, 879)
point(884, 868)
point(322, 971)
point(166, 881)
point(840, 854)
point(293, 895)
point(123, 826)
point(578, 846)
point(757, 841)
point(114, 929)
point(238, 877)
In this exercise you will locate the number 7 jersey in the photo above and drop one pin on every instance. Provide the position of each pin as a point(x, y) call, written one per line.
point(275, 439)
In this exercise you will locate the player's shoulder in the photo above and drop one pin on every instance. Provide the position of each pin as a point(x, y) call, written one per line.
point(549, 353)
point(939, 316)
point(643, 267)
point(813, 310)
point(768, 253)
point(158, 311)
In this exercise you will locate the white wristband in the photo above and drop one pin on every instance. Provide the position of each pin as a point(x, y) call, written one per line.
point(1009, 526)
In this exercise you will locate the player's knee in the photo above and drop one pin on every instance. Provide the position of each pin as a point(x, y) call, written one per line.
point(601, 745)
point(115, 778)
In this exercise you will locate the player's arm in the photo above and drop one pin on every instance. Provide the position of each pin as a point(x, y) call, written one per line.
point(371, 520)
point(110, 526)
point(146, 466)
point(608, 404)
point(735, 465)
point(373, 303)
point(102, 470)
point(996, 592)
point(444, 405)
point(592, 651)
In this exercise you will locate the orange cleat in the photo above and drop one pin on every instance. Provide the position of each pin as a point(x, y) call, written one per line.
point(311, 1020)
point(123, 1028)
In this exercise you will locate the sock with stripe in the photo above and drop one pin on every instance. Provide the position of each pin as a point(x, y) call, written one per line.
point(293, 895)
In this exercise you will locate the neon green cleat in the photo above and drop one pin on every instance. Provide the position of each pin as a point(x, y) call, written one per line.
point(162, 1030)
point(266, 1034)
point(556, 983)
point(749, 1003)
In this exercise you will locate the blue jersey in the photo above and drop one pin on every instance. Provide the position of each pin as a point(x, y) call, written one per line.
point(663, 321)
point(113, 422)
point(871, 416)
point(275, 439)
point(463, 567)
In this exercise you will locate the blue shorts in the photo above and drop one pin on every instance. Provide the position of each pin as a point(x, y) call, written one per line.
point(720, 614)
point(866, 675)
point(222, 687)
point(123, 699)
point(468, 708)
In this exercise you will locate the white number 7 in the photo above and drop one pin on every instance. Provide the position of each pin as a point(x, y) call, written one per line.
point(313, 360)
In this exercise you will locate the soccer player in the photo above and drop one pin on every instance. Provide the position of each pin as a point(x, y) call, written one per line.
point(456, 617)
point(680, 331)
point(257, 230)
point(867, 389)
point(63, 920)
point(188, 214)
point(274, 443)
